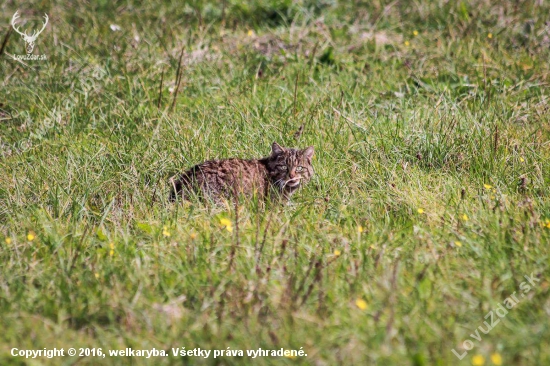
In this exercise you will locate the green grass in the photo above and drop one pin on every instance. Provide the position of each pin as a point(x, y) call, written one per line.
point(438, 106)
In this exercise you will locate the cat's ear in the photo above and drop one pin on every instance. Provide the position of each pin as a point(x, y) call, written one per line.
point(308, 152)
point(277, 149)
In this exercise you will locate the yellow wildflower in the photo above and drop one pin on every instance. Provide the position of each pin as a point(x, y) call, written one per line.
point(496, 359)
point(490, 35)
point(165, 232)
point(547, 224)
point(8, 240)
point(407, 43)
point(226, 223)
point(478, 360)
point(487, 186)
point(420, 211)
point(250, 33)
point(458, 244)
point(31, 236)
point(521, 160)
point(337, 253)
point(465, 217)
point(360, 229)
point(96, 275)
point(415, 33)
point(361, 304)
point(111, 252)
point(193, 236)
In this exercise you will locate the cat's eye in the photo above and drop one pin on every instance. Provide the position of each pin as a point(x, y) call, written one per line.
point(299, 168)
point(282, 167)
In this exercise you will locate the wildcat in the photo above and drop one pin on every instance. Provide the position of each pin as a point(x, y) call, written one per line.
point(282, 172)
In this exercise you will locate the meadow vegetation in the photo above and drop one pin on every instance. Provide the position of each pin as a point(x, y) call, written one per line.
point(429, 206)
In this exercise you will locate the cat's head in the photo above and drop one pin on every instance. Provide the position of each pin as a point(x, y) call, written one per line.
point(289, 168)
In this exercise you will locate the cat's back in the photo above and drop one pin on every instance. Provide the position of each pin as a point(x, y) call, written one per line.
point(233, 168)
point(225, 177)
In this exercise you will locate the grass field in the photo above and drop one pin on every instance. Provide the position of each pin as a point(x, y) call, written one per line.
point(429, 206)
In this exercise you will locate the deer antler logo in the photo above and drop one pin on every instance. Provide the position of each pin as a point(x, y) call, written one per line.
point(29, 40)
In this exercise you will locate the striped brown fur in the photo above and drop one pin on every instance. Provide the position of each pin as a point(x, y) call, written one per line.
point(281, 173)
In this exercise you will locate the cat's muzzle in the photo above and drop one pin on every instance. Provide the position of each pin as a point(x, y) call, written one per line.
point(294, 182)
